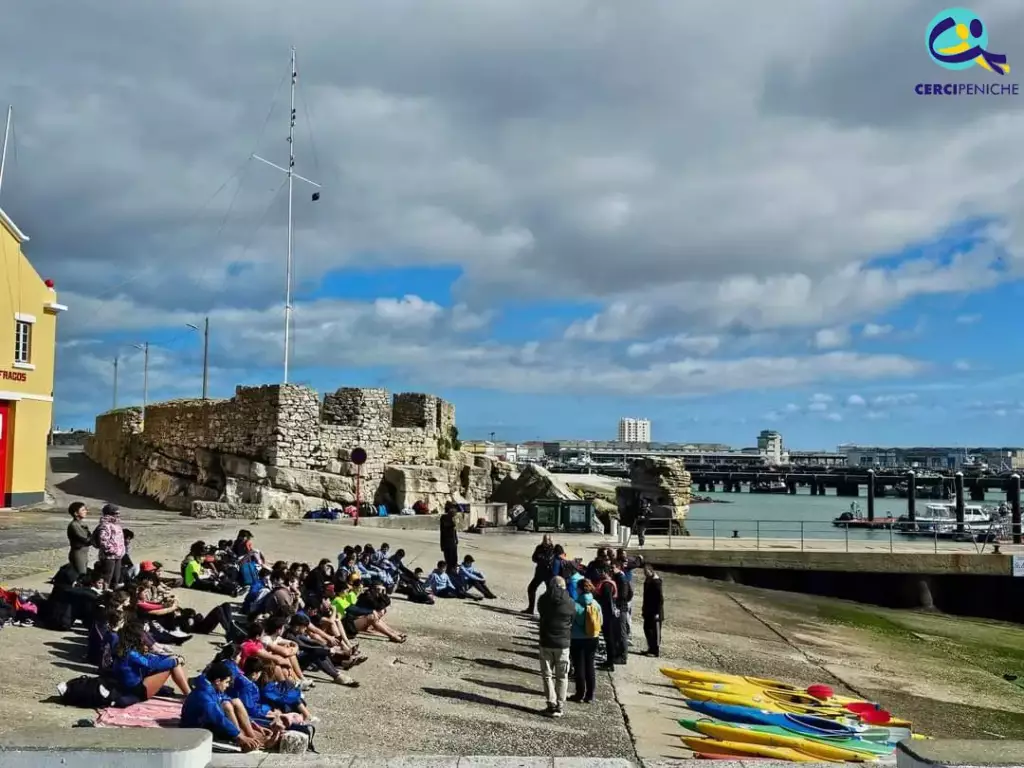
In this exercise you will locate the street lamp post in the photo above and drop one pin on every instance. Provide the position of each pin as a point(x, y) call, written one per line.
point(115, 382)
point(206, 354)
point(145, 375)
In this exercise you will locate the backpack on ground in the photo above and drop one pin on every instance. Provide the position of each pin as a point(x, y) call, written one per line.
point(88, 693)
point(592, 620)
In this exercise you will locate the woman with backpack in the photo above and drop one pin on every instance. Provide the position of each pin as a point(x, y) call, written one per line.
point(586, 630)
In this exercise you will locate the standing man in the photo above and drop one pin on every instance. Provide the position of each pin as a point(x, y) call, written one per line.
point(450, 537)
point(543, 570)
point(110, 541)
point(653, 610)
point(643, 518)
point(557, 611)
point(79, 537)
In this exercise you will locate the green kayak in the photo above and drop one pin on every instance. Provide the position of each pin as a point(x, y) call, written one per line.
point(867, 748)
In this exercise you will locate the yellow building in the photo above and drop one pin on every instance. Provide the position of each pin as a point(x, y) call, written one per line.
point(27, 350)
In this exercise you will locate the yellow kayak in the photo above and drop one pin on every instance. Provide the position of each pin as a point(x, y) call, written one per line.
point(686, 679)
point(732, 733)
point(746, 689)
point(702, 745)
point(759, 701)
point(699, 676)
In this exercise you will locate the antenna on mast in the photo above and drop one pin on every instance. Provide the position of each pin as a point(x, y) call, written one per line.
point(3, 154)
point(292, 175)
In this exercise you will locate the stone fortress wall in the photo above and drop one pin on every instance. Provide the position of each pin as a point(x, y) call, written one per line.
point(278, 451)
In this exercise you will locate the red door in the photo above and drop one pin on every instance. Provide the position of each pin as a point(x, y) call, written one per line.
point(5, 418)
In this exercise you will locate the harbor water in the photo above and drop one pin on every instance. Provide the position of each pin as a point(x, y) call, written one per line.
point(785, 516)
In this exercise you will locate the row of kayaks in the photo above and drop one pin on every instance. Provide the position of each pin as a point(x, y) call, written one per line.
point(748, 717)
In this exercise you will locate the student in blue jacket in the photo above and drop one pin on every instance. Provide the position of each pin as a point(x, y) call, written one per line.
point(209, 707)
point(140, 672)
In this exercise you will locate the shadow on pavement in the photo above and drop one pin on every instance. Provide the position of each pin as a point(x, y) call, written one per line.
point(473, 698)
point(507, 687)
point(502, 665)
point(91, 481)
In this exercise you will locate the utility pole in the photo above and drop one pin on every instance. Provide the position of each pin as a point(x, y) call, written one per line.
point(145, 376)
point(292, 175)
point(206, 354)
point(3, 153)
point(115, 382)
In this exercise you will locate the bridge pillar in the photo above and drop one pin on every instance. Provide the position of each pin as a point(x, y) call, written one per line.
point(958, 486)
point(911, 495)
point(871, 495)
point(1014, 496)
point(977, 492)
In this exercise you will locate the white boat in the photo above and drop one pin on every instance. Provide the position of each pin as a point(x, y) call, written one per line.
point(941, 518)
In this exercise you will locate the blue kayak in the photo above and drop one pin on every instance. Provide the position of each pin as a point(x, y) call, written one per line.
point(805, 725)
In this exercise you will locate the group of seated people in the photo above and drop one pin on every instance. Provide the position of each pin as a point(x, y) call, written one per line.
point(293, 619)
point(388, 570)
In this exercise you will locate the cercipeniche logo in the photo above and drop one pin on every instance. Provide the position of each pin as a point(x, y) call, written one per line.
point(957, 39)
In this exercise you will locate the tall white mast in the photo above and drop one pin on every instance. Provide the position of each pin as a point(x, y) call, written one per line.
point(3, 154)
point(292, 175)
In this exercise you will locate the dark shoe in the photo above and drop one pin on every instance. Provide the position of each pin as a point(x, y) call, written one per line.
point(575, 699)
point(588, 701)
point(558, 711)
point(527, 611)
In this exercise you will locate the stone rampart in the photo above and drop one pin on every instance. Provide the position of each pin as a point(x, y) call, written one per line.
point(278, 451)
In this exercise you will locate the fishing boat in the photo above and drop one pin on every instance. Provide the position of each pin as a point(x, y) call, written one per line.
point(939, 520)
point(764, 486)
point(854, 518)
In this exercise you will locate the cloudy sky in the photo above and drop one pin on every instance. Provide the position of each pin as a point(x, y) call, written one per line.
point(721, 216)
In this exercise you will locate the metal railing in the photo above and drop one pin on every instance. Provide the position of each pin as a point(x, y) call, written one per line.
point(816, 535)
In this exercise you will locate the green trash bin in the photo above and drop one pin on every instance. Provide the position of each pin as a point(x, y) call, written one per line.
point(577, 516)
point(546, 515)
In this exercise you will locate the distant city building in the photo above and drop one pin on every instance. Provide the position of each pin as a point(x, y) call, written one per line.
point(634, 431)
point(481, 447)
point(933, 458)
point(769, 445)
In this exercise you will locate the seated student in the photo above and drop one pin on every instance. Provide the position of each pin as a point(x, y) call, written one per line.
point(129, 571)
point(140, 672)
point(281, 600)
point(209, 708)
point(274, 643)
point(371, 572)
point(326, 626)
point(472, 578)
point(314, 654)
point(247, 688)
point(284, 670)
point(356, 618)
point(195, 570)
point(317, 580)
point(243, 548)
point(381, 557)
point(440, 584)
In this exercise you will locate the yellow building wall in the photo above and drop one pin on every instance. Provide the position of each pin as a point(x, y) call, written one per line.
point(28, 389)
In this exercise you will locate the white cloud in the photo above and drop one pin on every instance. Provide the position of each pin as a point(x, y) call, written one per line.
point(968, 319)
point(834, 416)
point(875, 331)
point(963, 365)
point(698, 345)
point(791, 408)
point(905, 398)
point(528, 147)
point(832, 338)
point(856, 401)
point(821, 397)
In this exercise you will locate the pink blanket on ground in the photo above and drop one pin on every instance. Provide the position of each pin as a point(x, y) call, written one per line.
point(155, 713)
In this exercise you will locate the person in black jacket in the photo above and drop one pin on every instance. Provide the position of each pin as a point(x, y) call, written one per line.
point(642, 520)
point(450, 537)
point(543, 571)
point(79, 537)
point(653, 610)
point(557, 611)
